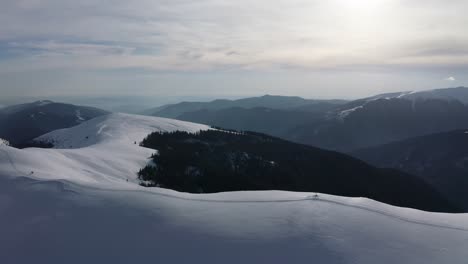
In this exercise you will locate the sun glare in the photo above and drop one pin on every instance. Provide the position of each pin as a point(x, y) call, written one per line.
point(362, 5)
point(363, 14)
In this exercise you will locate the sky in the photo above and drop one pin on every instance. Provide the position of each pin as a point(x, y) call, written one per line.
point(220, 48)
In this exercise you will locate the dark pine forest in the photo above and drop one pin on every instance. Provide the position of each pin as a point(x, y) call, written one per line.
point(220, 160)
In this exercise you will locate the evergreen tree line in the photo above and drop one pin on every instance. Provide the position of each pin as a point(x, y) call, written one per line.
point(216, 161)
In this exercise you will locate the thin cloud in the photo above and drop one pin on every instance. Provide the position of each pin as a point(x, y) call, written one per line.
point(450, 79)
point(289, 37)
point(207, 33)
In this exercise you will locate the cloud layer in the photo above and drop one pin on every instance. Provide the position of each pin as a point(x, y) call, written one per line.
point(212, 36)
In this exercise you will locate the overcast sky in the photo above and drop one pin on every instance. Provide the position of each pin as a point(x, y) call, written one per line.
point(323, 49)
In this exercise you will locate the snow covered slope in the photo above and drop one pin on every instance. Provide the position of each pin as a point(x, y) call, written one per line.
point(458, 93)
point(102, 151)
point(20, 124)
point(448, 94)
point(77, 207)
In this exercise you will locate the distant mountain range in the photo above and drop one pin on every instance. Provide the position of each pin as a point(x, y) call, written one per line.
point(334, 124)
point(381, 121)
point(440, 159)
point(277, 122)
point(266, 101)
point(21, 123)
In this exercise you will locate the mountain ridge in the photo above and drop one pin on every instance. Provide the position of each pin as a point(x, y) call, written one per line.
point(346, 126)
point(267, 101)
point(24, 122)
point(440, 159)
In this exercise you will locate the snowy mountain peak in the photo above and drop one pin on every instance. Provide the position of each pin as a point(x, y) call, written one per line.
point(103, 151)
point(112, 128)
point(457, 93)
